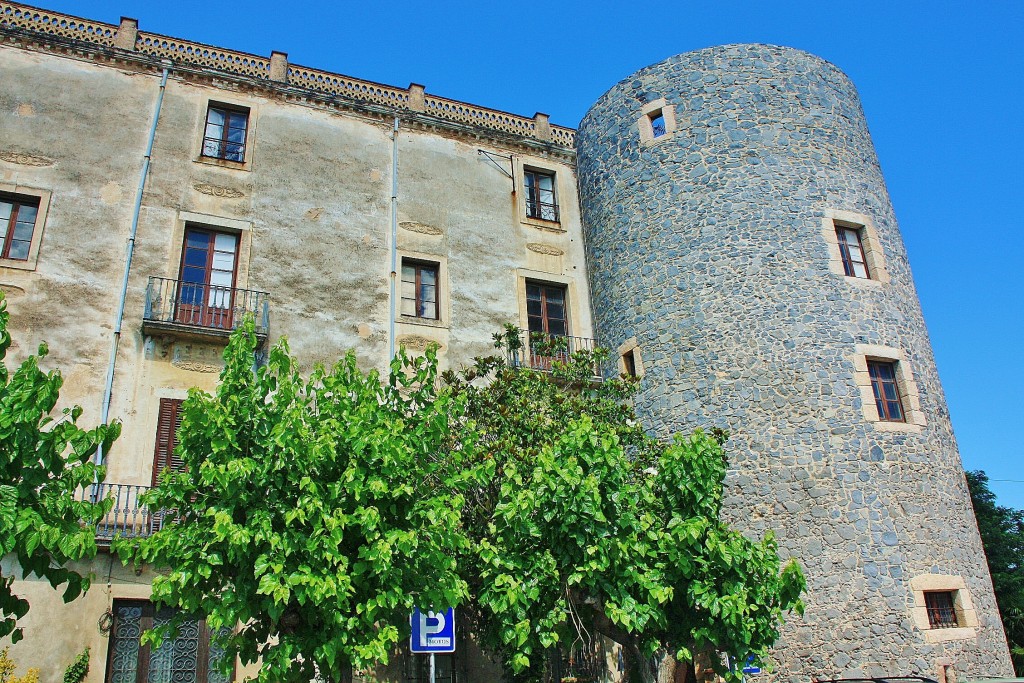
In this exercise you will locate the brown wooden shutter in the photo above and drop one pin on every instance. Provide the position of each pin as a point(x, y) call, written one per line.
point(164, 456)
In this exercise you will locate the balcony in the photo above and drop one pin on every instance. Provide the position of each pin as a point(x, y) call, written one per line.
point(202, 311)
point(127, 518)
point(542, 351)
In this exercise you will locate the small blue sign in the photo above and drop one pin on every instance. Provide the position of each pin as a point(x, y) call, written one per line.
point(432, 631)
point(749, 667)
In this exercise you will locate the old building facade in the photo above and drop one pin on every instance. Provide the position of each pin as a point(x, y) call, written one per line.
point(740, 249)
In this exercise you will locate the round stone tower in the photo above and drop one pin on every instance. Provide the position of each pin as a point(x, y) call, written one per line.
point(742, 243)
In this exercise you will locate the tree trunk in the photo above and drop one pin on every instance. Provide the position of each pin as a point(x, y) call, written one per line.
point(671, 670)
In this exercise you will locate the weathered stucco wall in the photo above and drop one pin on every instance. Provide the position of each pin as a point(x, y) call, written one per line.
point(312, 207)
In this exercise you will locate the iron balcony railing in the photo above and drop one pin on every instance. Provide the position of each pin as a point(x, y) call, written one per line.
point(540, 351)
point(218, 148)
point(127, 518)
point(203, 307)
point(546, 211)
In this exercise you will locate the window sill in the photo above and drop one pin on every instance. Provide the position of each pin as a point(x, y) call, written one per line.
point(224, 163)
point(942, 635)
point(540, 223)
point(863, 282)
point(17, 264)
point(652, 142)
point(886, 426)
point(424, 322)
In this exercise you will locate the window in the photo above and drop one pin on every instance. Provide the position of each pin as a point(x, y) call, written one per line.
point(545, 309)
point(164, 457)
point(167, 426)
point(854, 249)
point(657, 120)
point(189, 658)
point(224, 136)
point(17, 225)
point(941, 609)
point(886, 390)
point(419, 290)
point(889, 396)
point(851, 250)
point(629, 364)
point(207, 285)
point(540, 195)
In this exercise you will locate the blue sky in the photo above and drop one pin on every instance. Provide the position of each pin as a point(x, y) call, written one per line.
point(942, 84)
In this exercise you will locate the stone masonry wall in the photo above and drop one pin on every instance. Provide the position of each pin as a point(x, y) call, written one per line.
point(710, 245)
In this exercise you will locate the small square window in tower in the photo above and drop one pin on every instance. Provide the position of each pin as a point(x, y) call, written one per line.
point(657, 119)
point(540, 195)
point(225, 132)
point(17, 225)
point(886, 390)
point(419, 290)
point(941, 606)
point(851, 249)
point(206, 291)
point(629, 363)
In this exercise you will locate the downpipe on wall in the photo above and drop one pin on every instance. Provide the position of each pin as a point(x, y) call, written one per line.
point(129, 252)
point(393, 310)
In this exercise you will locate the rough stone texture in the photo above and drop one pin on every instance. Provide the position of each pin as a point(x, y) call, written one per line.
point(707, 246)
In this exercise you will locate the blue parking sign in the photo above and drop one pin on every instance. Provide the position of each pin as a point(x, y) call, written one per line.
point(432, 631)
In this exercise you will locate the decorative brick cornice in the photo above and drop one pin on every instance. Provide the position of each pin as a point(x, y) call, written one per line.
point(276, 71)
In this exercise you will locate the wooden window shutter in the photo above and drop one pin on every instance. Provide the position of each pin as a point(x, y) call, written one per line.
point(164, 456)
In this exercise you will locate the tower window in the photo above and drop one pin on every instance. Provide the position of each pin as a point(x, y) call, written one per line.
point(886, 390)
point(657, 119)
point(629, 363)
point(941, 608)
point(851, 249)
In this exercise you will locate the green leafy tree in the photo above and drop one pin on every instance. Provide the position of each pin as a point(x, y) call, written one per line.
point(312, 512)
point(589, 526)
point(43, 462)
point(1002, 534)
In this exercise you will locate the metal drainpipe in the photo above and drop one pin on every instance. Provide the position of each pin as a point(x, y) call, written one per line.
point(130, 251)
point(394, 239)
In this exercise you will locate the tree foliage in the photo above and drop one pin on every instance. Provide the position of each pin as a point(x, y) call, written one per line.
point(43, 462)
point(589, 525)
point(1002, 534)
point(313, 512)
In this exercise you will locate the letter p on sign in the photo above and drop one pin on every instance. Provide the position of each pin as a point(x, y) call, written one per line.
point(432, 631)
